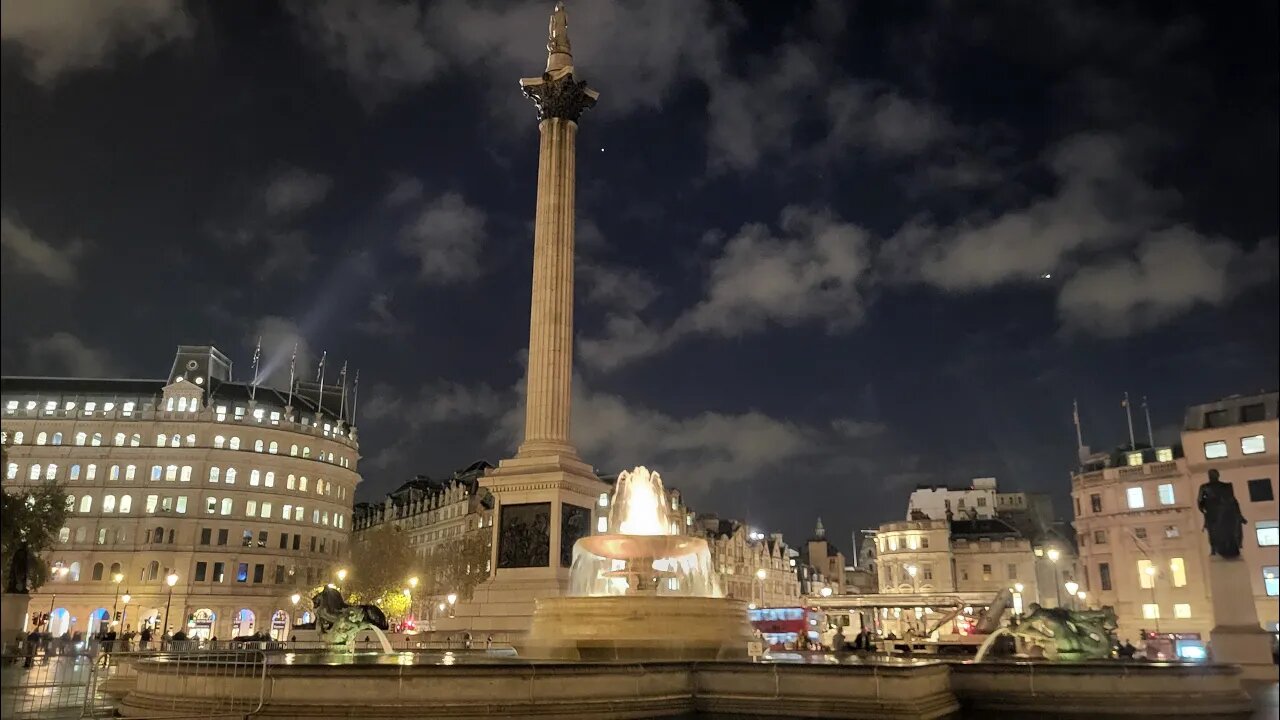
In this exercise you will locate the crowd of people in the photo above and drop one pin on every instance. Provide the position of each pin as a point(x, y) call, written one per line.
point(44, 646)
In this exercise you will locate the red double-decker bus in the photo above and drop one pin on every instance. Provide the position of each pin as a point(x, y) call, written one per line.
point(785, 628)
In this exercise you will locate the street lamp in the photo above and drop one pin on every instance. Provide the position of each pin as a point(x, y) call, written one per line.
point(1150, 570)
point(117, 578)
point(761, 575)
point(125, 613)
point(1072, 587)
point(912, 570)
point(342, 574)
point(1054, 554)
point(825, 592)
point(1081, 596)
point(451, 598)
point(171, 579)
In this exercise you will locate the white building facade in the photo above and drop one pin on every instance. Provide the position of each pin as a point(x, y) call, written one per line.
point(239, 495)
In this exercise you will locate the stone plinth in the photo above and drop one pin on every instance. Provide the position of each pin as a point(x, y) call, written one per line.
point(1237, 637)
point(13, 615)
point(1099, 689)
point(629, 627)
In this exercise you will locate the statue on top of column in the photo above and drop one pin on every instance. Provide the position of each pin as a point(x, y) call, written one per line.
point(558, 31)
point(1222, 517)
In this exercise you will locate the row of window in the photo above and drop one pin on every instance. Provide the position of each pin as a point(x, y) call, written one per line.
point(174, 403)
point(176, 441)
point(213, 506)
point(249, 539)
point(1249, 445)
point(154, 572)
point(174, 473)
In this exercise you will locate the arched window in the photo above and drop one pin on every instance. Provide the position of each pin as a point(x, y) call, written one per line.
point(274, 447)
point(34, 473)
point(11, 472)
point(17, 438)
point(97, 440)
point(42, 438)
point(86, 503)
point(135, 440)
point(102, 536)
point(302, 484)
point(114, 473)
point(171, 473)
point(231, 476)
point(126, 503)
point(191, 437)
point(254, 477)
point(235, 443)
point(64, 535)
point(71, 503)
point(74, 575)
point(182, 404)
point(153, 569)
point(214, 473)
point(169, 405)
point(293, 451)
point(74, 474)
point(270, 479)
point(186, 474)
point(51, 471)
point(306, 452)
point(170, 536)
point(115, 568)
point(119, 439)
point(57, 438)
point(226, 506)
point(175, 441)
point(108, 503)
point(162, 440)
point(257, 445)
point(219, 441)
point(130, 473)
point(291, 482)
point(80, 534)
point(158, 535)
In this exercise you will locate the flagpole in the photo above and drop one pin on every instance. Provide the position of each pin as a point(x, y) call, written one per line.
point(342, 406)
point(355, 396)
point(253, 386)
point(292, 362)
point(320, 404)
point(1151, 437)
point(1075, 417)
point(1129, 416)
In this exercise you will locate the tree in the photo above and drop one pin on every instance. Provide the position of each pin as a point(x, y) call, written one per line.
point(32, 516)
point(458, 566)
point(381, 564)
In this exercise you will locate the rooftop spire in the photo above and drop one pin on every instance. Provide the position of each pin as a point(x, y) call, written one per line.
point(559, 54)
point(818, 530)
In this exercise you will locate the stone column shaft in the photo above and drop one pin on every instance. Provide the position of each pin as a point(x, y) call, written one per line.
point(550, 374)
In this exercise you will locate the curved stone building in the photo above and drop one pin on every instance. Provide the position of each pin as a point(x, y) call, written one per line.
point(240, 494)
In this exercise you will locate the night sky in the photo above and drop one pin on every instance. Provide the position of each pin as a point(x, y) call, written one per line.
point(825, 251)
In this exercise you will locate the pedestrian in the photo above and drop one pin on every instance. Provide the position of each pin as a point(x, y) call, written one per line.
point(29, 648)
point(146, 638)
point(488, 642)
point(108, 644)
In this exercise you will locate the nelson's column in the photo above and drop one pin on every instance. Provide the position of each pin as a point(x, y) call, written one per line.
point(545, 495)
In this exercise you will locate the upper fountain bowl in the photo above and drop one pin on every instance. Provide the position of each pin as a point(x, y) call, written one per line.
point(635, 547)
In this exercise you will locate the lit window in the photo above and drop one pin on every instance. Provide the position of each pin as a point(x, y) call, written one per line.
point(286, 511)
point(74, 474)
point(221, 413)
point(182, 504)
point(119, 440)
point(176, 441)
point(254, 477)
point(130, 473)
point(1178, 572)
point(17, 438)
point(1271, 580)
point(96, 440)
point(274, 447)
point(1146, 574)
point(258, 446)
point(1268, 532)
point(1134, 497)
point(186, 474)
point(602, 524)
point(604, 500)
point(42, 438)
point(211, 505)
point(1164, 455)
point(226, 506)
point(270, 479)
point(265, 510)
point(258, 414)
point(1253, 445)
point(86, 504)
point(34, 474)
point(251, 508)
point(1134, 458)
point(1215, 449)
point(89, 407)
point(293, 451)
point(108, 503)
point(51, 472)
point(169, 405)
point(219, 441)
point(1181, 610)
point(1150, 611)
point(126, 503)
point(1165, 491)
point(171, 473)
point(214, 473)
point(235, 443)
point(231, 476)
point(57, 438)
point(90, 471)
point(11, 472)
point(1171, 531)
point(135, 440)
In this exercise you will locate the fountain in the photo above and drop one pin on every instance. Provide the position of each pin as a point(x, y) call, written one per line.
point(647, 591)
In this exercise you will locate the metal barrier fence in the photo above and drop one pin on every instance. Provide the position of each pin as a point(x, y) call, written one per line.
point(52, 686)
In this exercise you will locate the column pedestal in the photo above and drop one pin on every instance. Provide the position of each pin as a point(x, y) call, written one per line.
point(1237, 638)
point(13, 615)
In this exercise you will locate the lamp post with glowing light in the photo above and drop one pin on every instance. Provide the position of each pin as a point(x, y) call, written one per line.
point(1150, 571)
point(912, 570)
point(452, 599)
point(171, 579)
point(1053, 555)
point(117, 579)
point(761, 575)
point(342, 576)
point(413, 586)
point(125, 612)
point(1017, 598)
point(1081, 596)
point(1072, 587)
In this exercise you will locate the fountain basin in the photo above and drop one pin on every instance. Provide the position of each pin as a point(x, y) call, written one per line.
point(637, 627)
point(635, 547)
